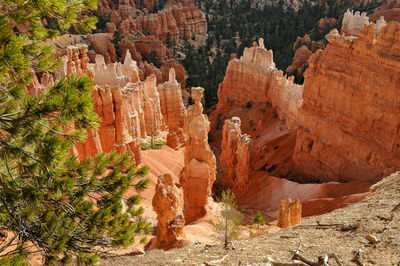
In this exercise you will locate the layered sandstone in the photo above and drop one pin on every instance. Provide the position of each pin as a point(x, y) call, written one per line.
point(235, 158)
point(243, 166)
point(173, 110)
point(354, 22)
point(390, 10)
point(198, 175)
point(101, 44)
point(303, 48)
point(75, 61)
point(289, 213)
point(254, 79)
point(168, 204)
point(350, 117)
point(179, 72)
point(128, 108)
point(177, 21)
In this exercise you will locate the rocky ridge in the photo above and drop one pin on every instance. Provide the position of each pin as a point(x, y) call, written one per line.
point(128, 107)
point(349, 124)
point(354, 22)
point(177, 21)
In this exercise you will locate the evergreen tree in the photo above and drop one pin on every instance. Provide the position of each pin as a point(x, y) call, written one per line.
point(259, 219)
point(51, 203)
point(229, 218)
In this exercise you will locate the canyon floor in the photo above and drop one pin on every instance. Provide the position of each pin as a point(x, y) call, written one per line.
point(342, 232)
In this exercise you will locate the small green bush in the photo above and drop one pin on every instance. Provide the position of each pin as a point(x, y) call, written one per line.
point(259, 219)
point(147, 145)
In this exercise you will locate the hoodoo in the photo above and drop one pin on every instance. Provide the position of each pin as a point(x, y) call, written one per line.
point(128, 108)
point(289, 213)
point(168, 204)
point(173, 110)
point(176, 21)
point(235, 158)
point(198, 175)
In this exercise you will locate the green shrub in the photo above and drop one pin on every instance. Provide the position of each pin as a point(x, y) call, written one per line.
point(259, 219)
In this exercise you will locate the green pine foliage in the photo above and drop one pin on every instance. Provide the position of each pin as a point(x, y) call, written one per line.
point(229, 218)
point(67, 210)
point(234, 25)
point(259, 219)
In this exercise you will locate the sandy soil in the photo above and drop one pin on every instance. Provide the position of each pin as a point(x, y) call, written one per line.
point(342, 231)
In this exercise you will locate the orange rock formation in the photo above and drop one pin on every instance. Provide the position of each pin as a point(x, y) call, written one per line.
point(289, 213)
point(180, 21)
point(198, 175)
point(235, 158)
point(350, 117)
point(168, 204)
point(127, 107)
point(253, 78)
point(390, 10)
point(173, 110)
point(179, 72)
point(101, 44)
point(303, 49)
point(353, 23)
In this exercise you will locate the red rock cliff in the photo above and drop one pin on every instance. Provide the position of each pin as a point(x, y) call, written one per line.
point(128, 108)
point(350, 118)
point(254, 79)
point(180, 21)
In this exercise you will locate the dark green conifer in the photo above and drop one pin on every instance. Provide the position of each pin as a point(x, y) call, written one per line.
point(50, 202)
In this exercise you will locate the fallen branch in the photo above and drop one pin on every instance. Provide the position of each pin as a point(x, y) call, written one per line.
point(322, 260)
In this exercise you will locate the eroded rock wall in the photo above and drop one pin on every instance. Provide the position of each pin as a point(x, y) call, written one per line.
point(177, 21)
point(128, 107)
point(350, 117)
point(254, 79)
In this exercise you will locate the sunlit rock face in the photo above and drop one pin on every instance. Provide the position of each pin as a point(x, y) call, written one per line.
point(198, 175)
point(173, 110)
point(168, 204)
point(235, 158)
point(128, 108)
point(254, 78)
point(350, 118)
